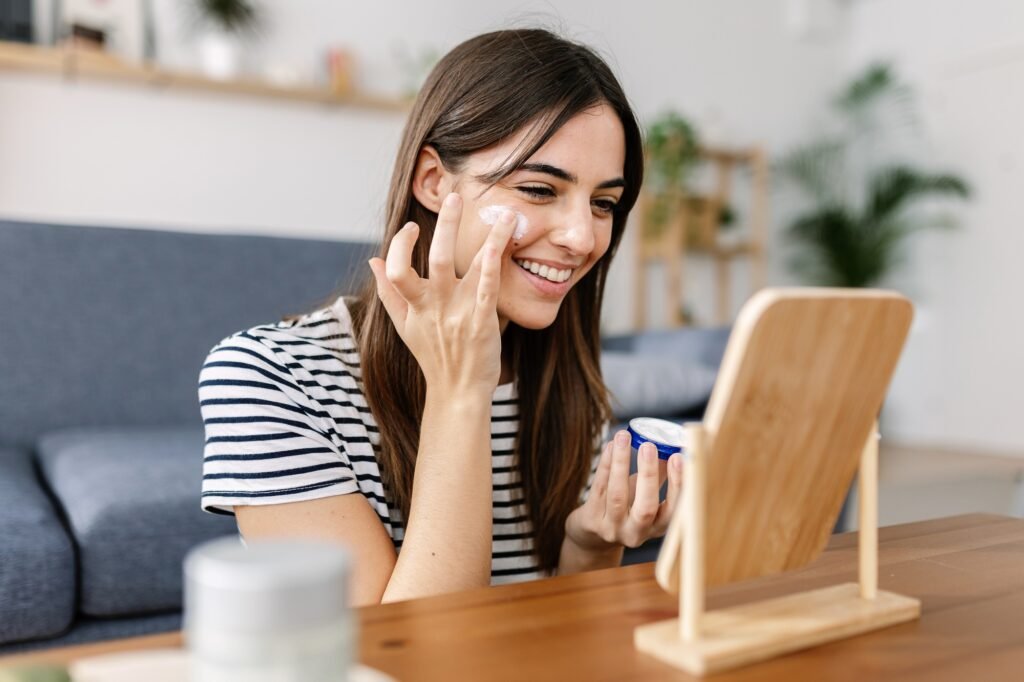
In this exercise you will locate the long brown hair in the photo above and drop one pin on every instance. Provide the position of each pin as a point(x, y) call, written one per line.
point(480, 93)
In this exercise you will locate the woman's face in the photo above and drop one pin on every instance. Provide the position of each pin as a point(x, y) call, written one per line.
point(565, 192)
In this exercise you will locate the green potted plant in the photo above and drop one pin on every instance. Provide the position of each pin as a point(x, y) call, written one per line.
point(224, 24)
point(672, 150)
point(860, 213)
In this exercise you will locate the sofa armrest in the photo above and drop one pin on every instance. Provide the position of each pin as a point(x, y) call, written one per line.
point(37, 560)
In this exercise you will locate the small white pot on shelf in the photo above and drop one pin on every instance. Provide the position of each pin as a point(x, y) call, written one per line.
point(220, 55)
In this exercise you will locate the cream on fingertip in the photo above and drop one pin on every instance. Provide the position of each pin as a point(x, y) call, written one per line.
point(491, 215)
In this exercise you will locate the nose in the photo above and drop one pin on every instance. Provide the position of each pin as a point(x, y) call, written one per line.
point(576, 231)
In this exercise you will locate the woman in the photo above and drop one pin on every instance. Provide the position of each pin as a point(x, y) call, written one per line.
point(453, 410)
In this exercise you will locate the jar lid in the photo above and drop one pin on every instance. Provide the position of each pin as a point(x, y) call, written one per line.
point(264, 586)
point(668, 437)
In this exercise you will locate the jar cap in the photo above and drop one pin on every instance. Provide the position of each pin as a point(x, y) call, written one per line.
point(668, 437)
point(264, 586)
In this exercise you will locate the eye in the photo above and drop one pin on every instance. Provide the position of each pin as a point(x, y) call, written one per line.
point(538, 191)
point(605, 206)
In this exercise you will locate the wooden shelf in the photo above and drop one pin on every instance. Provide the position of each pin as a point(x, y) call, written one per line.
point(76, 64)
point(728, 250)
point(693, 228)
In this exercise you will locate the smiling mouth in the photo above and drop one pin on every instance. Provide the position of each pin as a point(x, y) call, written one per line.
point(546, 272)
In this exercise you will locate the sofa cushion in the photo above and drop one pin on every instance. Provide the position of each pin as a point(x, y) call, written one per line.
point(131, 497)
point(703, 345)
point(645, 385)
point(37, 561)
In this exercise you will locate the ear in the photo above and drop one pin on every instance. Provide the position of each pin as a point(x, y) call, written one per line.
point(431, 181)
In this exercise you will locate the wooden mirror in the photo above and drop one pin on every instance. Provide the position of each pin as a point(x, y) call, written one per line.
point(791, 418)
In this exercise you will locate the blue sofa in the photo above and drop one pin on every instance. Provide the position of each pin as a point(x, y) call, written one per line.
point(104, 332)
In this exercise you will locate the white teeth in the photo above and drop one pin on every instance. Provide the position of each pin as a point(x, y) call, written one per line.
point(547, 272)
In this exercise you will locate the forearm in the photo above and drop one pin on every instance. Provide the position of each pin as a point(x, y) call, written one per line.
point(576, 559)
point(448, 535)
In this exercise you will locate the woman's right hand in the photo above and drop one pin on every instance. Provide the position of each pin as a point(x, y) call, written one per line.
point(449, 324)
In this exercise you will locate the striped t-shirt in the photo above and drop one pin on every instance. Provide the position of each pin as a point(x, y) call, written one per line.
point(286, 420)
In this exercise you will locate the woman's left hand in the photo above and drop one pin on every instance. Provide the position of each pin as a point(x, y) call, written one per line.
point(624, 509)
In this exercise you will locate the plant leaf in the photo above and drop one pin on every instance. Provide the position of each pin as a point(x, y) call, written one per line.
point(818, 169)
point(892, 188)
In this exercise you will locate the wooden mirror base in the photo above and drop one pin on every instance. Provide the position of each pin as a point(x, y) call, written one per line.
point(755, 632)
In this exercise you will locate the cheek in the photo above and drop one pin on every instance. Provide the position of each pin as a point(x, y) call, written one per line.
point(602, 240)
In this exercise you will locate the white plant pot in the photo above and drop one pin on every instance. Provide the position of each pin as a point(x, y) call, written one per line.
point(220, 55)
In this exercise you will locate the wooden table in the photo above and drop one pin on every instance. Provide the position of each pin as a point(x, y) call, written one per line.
point(968, 572)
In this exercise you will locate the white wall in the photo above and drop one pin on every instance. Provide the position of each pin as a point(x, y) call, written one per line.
point(114, 155)
point(961, 378)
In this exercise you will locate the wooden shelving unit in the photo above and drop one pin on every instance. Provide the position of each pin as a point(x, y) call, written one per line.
point(692, 228)
point(76, 64)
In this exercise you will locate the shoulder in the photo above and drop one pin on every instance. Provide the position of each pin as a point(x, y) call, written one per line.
point(297, 355)
point(321, 326)
point(317, 335)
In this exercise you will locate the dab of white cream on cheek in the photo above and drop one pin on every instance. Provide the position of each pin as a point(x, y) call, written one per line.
point(490, 215)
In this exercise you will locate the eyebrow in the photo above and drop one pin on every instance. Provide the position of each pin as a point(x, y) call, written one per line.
point(567, 176)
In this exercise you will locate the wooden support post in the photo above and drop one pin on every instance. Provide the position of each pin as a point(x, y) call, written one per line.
point(691, 568)
point(640, 264)
point(672, 257)
point(759, 219)
point(723, 276)
point(867, 503)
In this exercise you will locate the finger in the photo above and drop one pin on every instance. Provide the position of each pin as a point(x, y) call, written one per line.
point(487, 289)
point(645, 502)
point(675, 488)
point(398, 264)
point(599, 486)
point(498, 237)
point(617, 506)
point(394, 304)
point(501, 233)
point(441, 258)
point(490, 267)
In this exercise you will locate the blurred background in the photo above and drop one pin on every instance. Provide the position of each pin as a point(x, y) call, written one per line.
point(851, 142)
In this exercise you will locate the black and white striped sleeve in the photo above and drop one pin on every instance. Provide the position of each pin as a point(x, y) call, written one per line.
point(267, 440)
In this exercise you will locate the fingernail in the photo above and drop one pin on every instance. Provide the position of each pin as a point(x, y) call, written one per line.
point(622, 438)
point(452, 200)
point(507, 216)
point(677, 462)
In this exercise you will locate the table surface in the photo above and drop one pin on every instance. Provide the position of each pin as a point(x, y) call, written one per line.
point(968, 572)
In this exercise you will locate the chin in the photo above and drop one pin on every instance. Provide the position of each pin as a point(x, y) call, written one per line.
point(535, 323)
point(534, 319)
